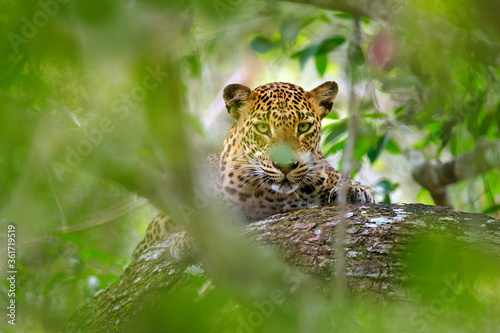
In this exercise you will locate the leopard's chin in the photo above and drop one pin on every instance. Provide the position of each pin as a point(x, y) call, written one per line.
point(284, 187)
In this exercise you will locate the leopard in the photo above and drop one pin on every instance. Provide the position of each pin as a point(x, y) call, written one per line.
point(270, 161)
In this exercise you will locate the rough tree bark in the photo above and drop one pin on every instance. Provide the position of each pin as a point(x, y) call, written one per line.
point(376, 238)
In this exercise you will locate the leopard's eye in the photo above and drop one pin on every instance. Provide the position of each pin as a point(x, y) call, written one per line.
point(263, 128)
point(304, 127)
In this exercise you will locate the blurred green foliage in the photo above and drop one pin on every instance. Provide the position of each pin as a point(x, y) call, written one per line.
point(95, 93)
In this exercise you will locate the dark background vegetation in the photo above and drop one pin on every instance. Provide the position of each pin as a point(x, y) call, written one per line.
point(95, 95)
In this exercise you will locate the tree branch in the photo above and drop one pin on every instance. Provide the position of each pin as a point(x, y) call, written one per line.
point(435, 175)
point(157, 288)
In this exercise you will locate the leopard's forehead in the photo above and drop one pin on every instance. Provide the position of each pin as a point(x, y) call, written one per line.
point(280, 96)
point(281, 89)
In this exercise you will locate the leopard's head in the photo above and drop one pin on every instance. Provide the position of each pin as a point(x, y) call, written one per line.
point(275, 140)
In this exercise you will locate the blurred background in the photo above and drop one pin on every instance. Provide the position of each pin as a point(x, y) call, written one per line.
point(101, 101)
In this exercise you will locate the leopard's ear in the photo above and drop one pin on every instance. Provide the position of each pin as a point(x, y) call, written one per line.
point(322, 97)
point(235, 96)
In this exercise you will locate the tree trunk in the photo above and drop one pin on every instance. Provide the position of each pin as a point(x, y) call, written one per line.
point(377, 241)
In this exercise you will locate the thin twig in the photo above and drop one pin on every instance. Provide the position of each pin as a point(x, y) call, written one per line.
point(341, 228)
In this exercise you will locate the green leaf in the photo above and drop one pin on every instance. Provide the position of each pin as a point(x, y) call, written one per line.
point(331, 44)
point(321, 63)
point(308, 21)
point(387, 188)
point(344, 15)
point(375, 115)
point(387, 185)
point(95, 254)
point(489, 119)
point(261, 44)
point(325, 18)
point(392, 147)
point(194, 64)
point(363, 146)
point(400, 111)
point(375, 151)
point(304, 55)
point(319, 51)
point(334, 131)
point(335, 148)
point(491, 210)
point(332, 115)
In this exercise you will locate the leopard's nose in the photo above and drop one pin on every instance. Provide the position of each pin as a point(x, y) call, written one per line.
point(285, 167)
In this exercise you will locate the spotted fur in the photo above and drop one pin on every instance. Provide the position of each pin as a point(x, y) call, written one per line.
point(270, 161)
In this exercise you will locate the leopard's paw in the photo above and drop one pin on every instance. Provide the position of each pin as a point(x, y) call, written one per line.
point(357, 194)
